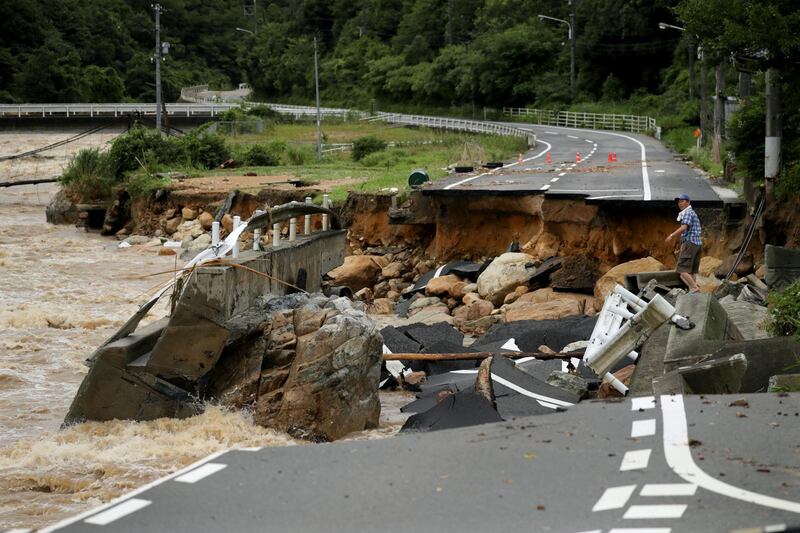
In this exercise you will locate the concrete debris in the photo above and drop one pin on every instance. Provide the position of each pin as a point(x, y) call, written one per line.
point(784, 383)
point(716, 376)
point(568, 382)
point(782, 266)
point(504, 275)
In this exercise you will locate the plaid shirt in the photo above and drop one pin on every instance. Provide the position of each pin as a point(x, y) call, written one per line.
point(692, 234)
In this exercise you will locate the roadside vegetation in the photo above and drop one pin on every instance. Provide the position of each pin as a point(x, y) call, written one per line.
point(365, 157)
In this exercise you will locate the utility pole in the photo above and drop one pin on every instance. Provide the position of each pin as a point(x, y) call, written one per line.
point(572, 48)
point(719, 112)
point(691, 66)
point(319, 114)
point(772, 140)
point(703, 96)
point(157, 9)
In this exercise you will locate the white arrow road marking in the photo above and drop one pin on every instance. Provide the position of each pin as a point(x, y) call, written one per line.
point(118, 511)
point(654, 511)
point(614, 498)
point(635, 460)
point(200, 473)
point(643, 428)
point(680, 460)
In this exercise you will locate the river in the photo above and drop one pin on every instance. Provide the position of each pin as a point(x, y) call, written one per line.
point(63, 291)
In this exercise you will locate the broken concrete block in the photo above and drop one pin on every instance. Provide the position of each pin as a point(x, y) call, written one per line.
point(721, 375)
point(749, 318)
point(568, 382)
point(784, 383)
point(122, 351)
point(766, 357)
point(782, 265)
point(711, 326)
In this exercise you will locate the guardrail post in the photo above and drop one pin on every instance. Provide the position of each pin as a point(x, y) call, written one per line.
point(214, 233)
point(325, 204)
point(292, 229)
point(307, 226)
point(276, 234)
point(237, 220)
point(257, 233)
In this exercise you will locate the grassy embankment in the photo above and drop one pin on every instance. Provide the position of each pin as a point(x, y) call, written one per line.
point(428, 149)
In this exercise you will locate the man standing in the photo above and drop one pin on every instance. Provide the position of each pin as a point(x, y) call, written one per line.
point(691, 245)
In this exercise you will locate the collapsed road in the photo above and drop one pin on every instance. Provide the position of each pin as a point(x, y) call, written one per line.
point(668, 463)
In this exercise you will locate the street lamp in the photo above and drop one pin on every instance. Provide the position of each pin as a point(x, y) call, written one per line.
point(665, 26)
point(571, 49)
point(246, 31)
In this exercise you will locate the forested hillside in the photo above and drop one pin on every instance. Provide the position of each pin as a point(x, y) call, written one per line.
point(427, 52)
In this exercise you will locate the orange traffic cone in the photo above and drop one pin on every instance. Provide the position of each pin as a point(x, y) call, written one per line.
point(548, 158)
point(614, 157)
point(610, 157)
point(577, 157)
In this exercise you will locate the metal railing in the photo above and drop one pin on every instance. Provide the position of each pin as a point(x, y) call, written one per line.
point(109, 110)
point(456, 124)
point(576, 119)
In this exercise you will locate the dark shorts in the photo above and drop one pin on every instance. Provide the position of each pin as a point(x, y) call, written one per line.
point(689, 258)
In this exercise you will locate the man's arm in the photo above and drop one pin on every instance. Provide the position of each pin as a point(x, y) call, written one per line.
point(677, 232)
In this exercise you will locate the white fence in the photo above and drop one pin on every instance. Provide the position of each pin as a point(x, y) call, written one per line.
point(109, 110)
point(597, 121)
point(456, 124)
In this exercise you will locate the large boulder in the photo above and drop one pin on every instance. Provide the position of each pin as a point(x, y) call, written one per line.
point(61, 210)
point(358, 271)
point(505, 274)
point(474, 310)
point(616, 275)
point(443, 285)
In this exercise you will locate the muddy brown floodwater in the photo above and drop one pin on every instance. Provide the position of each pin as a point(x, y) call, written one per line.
point(63, 292)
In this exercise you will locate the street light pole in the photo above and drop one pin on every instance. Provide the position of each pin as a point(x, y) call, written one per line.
point(571, 47)
point(157, 9)
point(316, 85)
point(690, 38)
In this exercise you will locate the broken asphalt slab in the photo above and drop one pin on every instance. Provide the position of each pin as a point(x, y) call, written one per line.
point(597, 466)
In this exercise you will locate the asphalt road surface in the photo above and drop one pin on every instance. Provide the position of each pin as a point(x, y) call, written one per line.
point(647, 465)
point(579, 167)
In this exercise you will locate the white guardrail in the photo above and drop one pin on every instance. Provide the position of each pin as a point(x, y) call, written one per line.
point(456, 124)
point(596, 121)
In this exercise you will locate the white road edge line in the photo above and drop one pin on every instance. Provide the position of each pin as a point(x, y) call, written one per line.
point(200, 473)
point(614, 498)
point(467, 180)
point(640, 530)
point(635, 460)
point(655, 511)
point(115, 513)
point(643, 428)
point(668, 489)
point(679, 458)
point(519, 389)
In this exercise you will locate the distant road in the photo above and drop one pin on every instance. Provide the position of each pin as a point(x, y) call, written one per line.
point(644, 170)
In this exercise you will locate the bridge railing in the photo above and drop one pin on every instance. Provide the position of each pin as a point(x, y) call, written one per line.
point(456, 124)
point(109, 110)
point(577, 119)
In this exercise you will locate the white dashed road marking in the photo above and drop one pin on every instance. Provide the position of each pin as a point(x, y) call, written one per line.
point(572, 136)
point(645, 402)
point(668, 489)
point(544, 187)
point(118, 511)
point(640, 530)
point(614, 498)
point(562, 174)
point(635, 460)
point(643, 428)
point(654, 511)
point(201, 472)
point(553, 180)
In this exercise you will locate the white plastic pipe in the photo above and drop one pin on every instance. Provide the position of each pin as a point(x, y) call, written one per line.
point(292, 229)
point(276, 234)
point(215, 233)
point(632, 300)
point(617, 384)
point(307, 227)
point(237, 220)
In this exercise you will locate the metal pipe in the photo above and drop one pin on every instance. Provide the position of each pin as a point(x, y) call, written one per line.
point(214, 233)
point(237, 220)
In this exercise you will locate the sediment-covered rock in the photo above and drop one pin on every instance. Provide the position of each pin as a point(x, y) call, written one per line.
point(505, 274)
point(617, 274)
point(358, 271)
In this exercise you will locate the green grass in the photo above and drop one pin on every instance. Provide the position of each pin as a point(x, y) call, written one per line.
point(380, 170)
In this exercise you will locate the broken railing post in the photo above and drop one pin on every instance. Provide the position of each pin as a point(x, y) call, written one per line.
point(325, 204)
point(307, 227)
point(276, 234)
point(236, 221)
point(215, 233)
point(257, 233)
point(292, 229)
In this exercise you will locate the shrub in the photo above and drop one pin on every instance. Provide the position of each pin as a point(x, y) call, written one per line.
point(298, 156)
point(130, 150)
point(784, 310)
point(259, 155)
point(88, 175)
point(363, 146)
point(140, 185)
point(200, 148)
